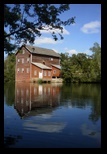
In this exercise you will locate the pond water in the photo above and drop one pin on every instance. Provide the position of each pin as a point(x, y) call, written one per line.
point(52, 115)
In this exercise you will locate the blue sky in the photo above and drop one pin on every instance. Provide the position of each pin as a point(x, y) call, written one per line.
point(79, 37)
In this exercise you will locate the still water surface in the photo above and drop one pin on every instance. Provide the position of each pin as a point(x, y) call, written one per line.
point(52, 115)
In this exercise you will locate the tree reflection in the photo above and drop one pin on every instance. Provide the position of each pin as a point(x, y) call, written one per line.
point(43, 98)
point(82, 96)
point(9, 93)
point(96, 110)
point(10, 140)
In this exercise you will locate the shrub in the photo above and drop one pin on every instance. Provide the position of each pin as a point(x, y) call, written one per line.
point(39, 81)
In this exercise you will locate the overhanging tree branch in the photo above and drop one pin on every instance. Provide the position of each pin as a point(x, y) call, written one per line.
point(17, 31)
point(45, 17)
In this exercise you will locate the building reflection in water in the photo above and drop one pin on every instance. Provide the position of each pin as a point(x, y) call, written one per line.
point(30, 97)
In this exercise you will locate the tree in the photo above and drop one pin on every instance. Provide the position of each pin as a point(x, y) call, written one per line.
point(96, 62)
point(9, 68)
point(26, 21)
point(82, 67)
point(66, 67)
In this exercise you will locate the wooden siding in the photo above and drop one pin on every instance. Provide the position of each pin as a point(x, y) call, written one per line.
point(46, 60)
point(55, 72)
point(39, 70)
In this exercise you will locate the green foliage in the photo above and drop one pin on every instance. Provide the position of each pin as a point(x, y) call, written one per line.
point(96, 62)
point(77, 68)
point(82, 67)
point(9, 92)
point(40, 81)
point(26, 20)
point(82, 92)
point(9, 68)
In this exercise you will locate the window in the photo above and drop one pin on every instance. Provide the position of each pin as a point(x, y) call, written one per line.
point(22, 110)
point(27, 92)
point(22, 60)
point(49, 90)
point(49, 73)
point(18, 69)
point(44, 62)
point(21, 100)
point(44, 73)
point(27, 59)
point(44, 90)
point(35, 72)
point(18, 60)
point(27, 70)
point(26, 102)
point(54, 71)
point(17, 91)
point(34, 90)
point(51, 59)
point(22, 92)
point(22, 70)
point(23, 51)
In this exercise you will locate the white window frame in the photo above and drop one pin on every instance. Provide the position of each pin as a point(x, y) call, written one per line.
point(23, 51)
point(27, 103)
point(22, 92)
point(22, 60)
point(44, 73)
point(35, 90)
point(51, 59)
point(28, 59)
point(22, 70)
point(17, 91)
point(49, 90)
point(18, 69)
point(18, 60)
point(28, 70)
point(27, 92)
point(44, 90)
point(49, 73)
point(21, 100)
point(35, 72)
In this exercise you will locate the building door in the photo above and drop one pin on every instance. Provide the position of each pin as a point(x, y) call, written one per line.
point(40, 75)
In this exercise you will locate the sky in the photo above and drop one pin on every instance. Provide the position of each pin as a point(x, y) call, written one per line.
point(78, 37)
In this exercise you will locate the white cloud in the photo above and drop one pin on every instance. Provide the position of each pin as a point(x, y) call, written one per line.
point(65, 32)
point(65, 48)
point(46, 127)
point(46, 40)
point(73, 51)
point(91, 27)
point(88, 52)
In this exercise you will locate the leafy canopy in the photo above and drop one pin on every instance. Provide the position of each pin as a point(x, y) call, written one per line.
point(25, 22)
point(82, 67)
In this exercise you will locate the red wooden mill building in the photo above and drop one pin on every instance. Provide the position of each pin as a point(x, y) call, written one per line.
point(33, 63)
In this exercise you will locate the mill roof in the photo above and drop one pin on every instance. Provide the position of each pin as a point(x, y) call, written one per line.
point(41, 51)
point(40, 65)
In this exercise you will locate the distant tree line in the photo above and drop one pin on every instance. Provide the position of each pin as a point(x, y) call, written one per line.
point(75, 68)
point(82, 67)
